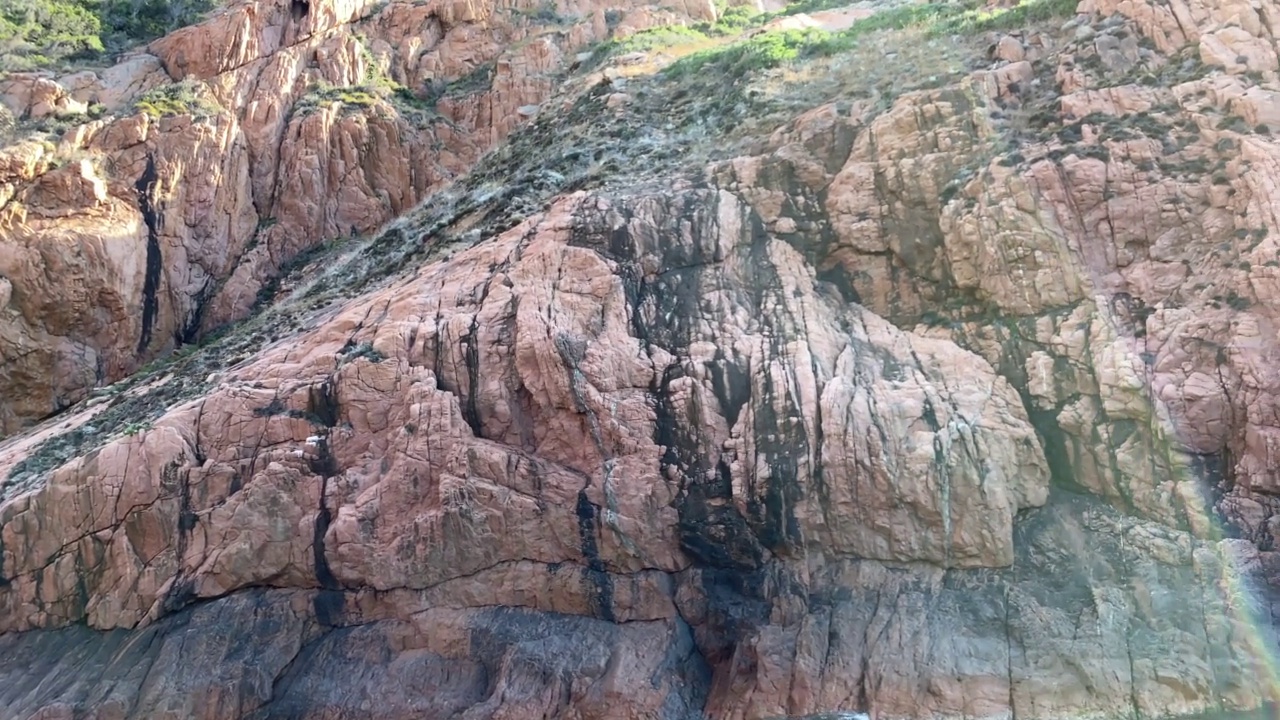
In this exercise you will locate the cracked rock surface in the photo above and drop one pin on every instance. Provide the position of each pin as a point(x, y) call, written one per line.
point(953, 406)
point(190, 215)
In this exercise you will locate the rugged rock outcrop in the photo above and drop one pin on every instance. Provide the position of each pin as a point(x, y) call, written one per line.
point(929, 407)
point(276, 140)
point(646, 412)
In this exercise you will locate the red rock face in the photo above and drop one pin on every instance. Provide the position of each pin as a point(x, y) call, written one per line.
point(882, 416)
point(266, 167)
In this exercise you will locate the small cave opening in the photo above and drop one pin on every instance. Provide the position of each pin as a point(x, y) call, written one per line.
point(299, 9)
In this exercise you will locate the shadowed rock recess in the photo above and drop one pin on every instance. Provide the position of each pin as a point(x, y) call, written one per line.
point(472, 359)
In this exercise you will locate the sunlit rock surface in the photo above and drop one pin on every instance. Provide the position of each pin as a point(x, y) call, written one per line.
point(955, 404)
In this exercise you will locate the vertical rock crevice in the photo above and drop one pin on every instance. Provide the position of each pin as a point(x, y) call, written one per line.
point(146, 190)
point(323, 406)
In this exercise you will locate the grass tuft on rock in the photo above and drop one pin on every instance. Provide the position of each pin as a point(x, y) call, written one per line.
point(184, 98)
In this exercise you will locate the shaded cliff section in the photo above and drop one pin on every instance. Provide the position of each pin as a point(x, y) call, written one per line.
point(1023, 635)
point(263, 654)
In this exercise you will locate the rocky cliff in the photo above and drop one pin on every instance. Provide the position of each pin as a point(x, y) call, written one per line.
point(139, 232)
point(919, 363)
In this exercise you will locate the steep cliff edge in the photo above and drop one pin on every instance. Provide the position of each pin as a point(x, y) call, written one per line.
point(919, 367)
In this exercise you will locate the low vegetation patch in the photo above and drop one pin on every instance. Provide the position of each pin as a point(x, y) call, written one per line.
point(974, 18)
point(480, 79)
point(771, 49)
point(323, 95)
point(732, 22)
point(183, 98)
point(377, 87)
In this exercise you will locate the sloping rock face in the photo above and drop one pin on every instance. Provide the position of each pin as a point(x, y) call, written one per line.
point(641, 427)
point(930, 411)
point(141, 231)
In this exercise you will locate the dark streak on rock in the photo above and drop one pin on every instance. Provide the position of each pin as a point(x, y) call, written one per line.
point(328, 604)
point(145, 188)
point(182, 591)
point(322, 404)
point(731, 384)
point(471, 355)
point(190, 332)
point(601, 581)
point(781, 436)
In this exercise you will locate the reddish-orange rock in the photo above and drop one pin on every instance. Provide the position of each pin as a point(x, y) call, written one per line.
point(267, 166)
point(955, 406)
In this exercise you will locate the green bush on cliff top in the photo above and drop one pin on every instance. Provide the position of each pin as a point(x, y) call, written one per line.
point(36, 34)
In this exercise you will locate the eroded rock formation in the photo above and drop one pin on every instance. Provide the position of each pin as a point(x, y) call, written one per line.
point(928, 408)
point(142, 231)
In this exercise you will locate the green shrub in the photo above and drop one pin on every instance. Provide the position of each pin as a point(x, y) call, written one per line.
point(658, 38)
point(764, 51)
point(137, 426)
point(1234, 123)
point(38, 34)
point(1236, 302)
point(376, 87)
point(362, 96)
point(130, 22)
point(731, 21)
point(547, 13)
point(479, 79)
point(184, 98)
